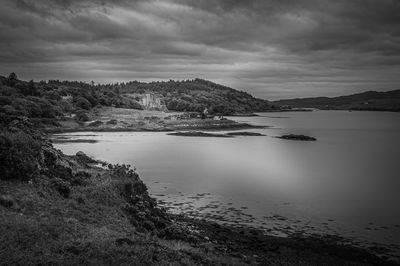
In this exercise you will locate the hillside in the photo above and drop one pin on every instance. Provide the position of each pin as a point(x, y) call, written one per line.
point(368, 101)
point(59, 106)
point(44, 101)
point(196, 95)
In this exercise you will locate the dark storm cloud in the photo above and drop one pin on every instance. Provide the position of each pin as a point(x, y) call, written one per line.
point(271, 48)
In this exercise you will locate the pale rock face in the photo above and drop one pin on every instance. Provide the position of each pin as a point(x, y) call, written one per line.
point(151, 101)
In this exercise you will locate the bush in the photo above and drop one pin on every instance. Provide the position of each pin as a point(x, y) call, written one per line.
point(81, 116)
point(135, 105)
point(61, 186)
point(19, 153)
point(66, 106)
point(11, 112)
point(112, 122)
point(5, 100)
point(48, 110)
point(26, 107)
point(52, 95)
point(8, 91)
point(96, 123)
point(92, 100)
point(83, 103)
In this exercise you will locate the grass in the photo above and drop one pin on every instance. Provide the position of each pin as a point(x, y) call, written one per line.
point(41, 226)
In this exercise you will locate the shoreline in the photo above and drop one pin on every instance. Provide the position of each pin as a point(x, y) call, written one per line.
point(254, 245)
point(130, 120)
point(209, 127)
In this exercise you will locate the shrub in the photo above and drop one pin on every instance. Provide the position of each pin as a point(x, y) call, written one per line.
point(63, 187)
point(92, 100)
point(112, 122)
point(5, 100)
point(52, 95)
point(6, 201)
point(66, 106)
point(11, 112)
point(81, 116)
point(135, 105)
point(19, 153)
point(28, 107)
point(47, 108)
point(8, 91)
point(96, 123)
point(83, 103)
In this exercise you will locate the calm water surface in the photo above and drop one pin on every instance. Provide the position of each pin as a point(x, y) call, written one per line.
point(346, 183)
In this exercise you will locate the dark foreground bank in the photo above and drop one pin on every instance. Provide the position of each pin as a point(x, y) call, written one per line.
point(73, 210)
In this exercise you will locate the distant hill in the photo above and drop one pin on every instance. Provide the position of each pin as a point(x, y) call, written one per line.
point(368, 101)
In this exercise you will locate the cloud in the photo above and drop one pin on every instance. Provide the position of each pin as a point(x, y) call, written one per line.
point(273, 49)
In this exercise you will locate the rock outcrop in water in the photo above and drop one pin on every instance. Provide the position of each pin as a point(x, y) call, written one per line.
point(245, 133)
point(297, 137)
point(199, 134)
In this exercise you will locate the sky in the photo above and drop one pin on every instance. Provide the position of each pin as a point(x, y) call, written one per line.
point(272, 49)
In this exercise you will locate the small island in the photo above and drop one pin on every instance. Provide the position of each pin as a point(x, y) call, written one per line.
point(198, 134)
point(297, 137)
point(245, 133)
point(205, 134)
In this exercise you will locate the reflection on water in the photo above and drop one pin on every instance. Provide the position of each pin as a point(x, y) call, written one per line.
point(347, 182)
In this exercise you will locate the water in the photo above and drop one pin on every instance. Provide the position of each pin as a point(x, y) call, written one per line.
point(346, 183)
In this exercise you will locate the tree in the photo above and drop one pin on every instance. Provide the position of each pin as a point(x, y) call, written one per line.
point(31, 88)
point(12, 76)
point(83, 103)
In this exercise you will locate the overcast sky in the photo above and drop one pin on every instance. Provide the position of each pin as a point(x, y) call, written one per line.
point(272, 49)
